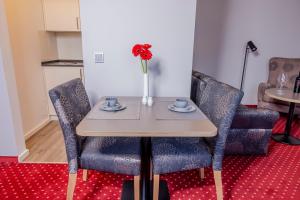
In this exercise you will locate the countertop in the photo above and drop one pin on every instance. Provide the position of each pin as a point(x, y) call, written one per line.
point(63, 63)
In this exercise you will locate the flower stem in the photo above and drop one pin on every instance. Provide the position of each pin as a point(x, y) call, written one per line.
point(142, 64)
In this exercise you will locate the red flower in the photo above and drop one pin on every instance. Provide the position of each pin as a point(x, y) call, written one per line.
point(142, 50)
point(137, 49)
point(146, 54)
point(147, 46)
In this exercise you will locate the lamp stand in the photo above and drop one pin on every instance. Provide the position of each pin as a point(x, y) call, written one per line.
point(244, 67)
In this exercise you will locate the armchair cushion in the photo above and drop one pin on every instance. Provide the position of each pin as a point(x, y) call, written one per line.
point(117, 155)
point(249, 118)
point(262, 96)
point(178, 154)
point(261, 90)
point(248, 141)
point(250, 131)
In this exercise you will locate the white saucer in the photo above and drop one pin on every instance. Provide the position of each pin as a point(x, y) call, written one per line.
point(187, 109)
point(116, 108)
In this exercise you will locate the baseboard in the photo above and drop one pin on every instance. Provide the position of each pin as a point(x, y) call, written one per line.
point(8, 159)
point(33, 131)
point(53, 118)
point(23, 155)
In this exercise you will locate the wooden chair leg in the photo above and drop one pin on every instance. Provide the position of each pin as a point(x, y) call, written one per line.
point(202, 173)
point(155, 186)
point(218, 183)
point(71, 185)
point(85, 175)
point(136, 187)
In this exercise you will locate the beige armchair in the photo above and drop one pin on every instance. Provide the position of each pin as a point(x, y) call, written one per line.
point(278, 66)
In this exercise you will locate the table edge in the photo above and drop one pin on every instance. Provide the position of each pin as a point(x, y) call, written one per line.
point(280, 98)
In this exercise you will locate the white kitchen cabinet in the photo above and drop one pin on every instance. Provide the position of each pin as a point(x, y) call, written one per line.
point(57, 75)
point(61, 15)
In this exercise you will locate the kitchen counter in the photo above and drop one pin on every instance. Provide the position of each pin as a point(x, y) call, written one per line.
point(63, 63)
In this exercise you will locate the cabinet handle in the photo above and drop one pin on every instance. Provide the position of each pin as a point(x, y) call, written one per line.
point(77, 22)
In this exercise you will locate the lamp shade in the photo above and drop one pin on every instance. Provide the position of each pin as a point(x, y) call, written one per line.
point(252, 46)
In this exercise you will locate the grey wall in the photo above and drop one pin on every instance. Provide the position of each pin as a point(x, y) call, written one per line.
point(272, 24)
point(208, 35)
point(115, 26)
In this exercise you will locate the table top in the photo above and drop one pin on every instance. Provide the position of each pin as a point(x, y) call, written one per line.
point(283, 95)
point(147, 125)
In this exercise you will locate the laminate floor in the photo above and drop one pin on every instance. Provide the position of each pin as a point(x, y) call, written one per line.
point(47, 146)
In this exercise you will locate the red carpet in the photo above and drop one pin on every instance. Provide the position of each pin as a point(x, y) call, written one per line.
point(276, 176)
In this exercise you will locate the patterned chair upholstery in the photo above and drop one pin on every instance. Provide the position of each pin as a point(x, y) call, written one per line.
point(112, 154)
point(179, 154)
point(117, 155)
point(219, 103)
point(251, 128)
point(250, 131)
point(278, 66)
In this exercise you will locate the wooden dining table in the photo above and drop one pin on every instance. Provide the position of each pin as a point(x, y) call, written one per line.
point(143, 121)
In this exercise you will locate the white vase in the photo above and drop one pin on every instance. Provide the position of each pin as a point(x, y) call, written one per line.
point(146, 89)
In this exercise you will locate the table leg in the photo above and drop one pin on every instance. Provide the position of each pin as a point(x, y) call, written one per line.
point(285, 137)
point(146, 184)
point(145, 172)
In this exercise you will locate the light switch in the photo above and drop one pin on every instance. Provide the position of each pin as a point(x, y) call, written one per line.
point(99, 57)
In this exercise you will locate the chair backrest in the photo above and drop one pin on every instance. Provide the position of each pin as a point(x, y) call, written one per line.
point(199, 81)
point(289, 66)
point(219, 103)
point(71, 104)
point(196, 84)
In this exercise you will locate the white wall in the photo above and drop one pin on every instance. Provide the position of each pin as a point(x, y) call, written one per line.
point(25, 22)
point(11, 134)
point(115, 26)
point(69, 45)
point(8, 146)
point(274, 27)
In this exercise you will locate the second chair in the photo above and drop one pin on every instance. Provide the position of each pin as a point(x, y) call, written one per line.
point(109, 154)
point(219, 103)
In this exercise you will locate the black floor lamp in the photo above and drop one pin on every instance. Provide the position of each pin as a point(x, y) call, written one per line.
point(250, 46)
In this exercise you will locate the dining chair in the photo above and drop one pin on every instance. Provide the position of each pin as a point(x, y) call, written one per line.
point(109, 154)
point(219, 103)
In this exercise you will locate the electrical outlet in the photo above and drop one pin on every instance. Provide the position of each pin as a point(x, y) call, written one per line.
point(99, 57)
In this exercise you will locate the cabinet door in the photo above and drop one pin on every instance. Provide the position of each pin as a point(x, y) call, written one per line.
point(61, 15)
point(57, 75)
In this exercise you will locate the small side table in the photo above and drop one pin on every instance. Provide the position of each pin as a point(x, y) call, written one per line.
point(288, 96)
